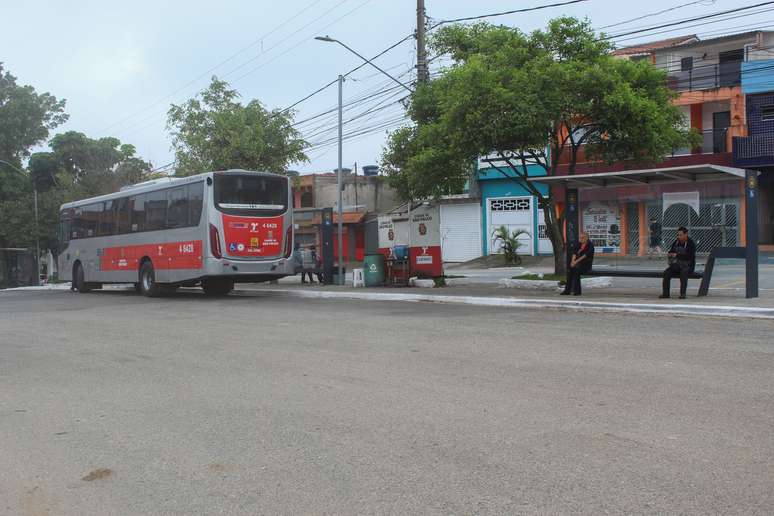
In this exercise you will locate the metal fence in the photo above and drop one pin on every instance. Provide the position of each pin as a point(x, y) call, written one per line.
point(716, 224)
point(706, 77)
point(754, 150)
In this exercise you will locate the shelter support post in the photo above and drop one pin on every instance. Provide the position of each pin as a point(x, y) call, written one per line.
point(751, 223)
point(573, 220)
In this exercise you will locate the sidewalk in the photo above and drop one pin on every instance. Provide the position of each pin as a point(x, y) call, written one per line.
point(720, 303)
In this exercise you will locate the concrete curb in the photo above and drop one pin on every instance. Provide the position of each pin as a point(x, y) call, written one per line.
point(560, 304)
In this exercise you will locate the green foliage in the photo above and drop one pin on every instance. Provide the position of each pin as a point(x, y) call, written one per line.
point(96, 166)
point(509, 243)
point(77, 167)
point(26, 117)
point(531, 98)
point(215, 132)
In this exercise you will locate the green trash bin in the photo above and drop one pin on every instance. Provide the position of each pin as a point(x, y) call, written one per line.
point(373, 270)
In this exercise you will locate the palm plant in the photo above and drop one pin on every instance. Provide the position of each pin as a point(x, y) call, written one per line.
point(510, 243)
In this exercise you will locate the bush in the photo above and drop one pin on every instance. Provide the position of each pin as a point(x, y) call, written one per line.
point(510, 243)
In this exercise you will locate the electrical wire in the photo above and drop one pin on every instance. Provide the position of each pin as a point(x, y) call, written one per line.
point(213, 68)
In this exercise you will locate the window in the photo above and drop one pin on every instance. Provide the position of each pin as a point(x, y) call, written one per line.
point(107, 219)
point(137, 204)
point(177, 208)
point(519, 204)
point(65, 225)
point(90, 216)
point(307, 201)
point(195, 199)
point(251, 195)
point(155, 210)
point(767, 113)
point(123, 216)
point(686, 64)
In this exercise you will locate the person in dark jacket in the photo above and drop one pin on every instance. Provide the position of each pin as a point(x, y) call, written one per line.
point(581, 261)
point(682, 262)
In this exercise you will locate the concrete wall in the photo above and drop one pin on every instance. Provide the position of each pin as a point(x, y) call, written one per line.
point(371, 193)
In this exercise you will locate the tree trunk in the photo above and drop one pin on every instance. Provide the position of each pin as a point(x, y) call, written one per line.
point(556, 235)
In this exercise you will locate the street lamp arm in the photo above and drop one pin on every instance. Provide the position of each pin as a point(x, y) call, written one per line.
point(329, 39)
point(13, 167)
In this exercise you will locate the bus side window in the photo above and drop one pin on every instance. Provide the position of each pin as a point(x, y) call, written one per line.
point(177, 208)
point(64, 226)
point(107, 219)
point(138, 212)
point(78, 224)
point(155, 210)
point(195, 200)
point(123, 216)
point(91, 216)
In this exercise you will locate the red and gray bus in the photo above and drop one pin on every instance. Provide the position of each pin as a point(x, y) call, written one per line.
point(213, 230)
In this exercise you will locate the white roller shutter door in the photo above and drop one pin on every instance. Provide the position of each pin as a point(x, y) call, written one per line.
point(460, 232)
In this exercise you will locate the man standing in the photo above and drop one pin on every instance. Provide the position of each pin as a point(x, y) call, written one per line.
point(682, 262)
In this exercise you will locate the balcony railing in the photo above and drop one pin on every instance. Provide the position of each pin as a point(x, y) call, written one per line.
point(713, 141)
point(706, 77)
point(757, 150)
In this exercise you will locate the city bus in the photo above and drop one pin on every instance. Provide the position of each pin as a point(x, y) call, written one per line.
point(211, 230)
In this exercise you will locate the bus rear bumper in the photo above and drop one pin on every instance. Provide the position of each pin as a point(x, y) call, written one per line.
point(248, 271)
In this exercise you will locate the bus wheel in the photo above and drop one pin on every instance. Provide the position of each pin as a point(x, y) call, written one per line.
point(80, 280)
point(148, 285)
point(217, 287)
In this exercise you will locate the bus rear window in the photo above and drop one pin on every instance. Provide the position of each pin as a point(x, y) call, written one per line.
point(251, 195)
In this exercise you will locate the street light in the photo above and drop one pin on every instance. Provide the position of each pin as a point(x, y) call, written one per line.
point(37, 237)
point(328, 39)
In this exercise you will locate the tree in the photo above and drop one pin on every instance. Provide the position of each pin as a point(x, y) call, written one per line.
point(76, 167)
point(95, 166)
point(213, 131)
point(26, 117)
point(536, 100)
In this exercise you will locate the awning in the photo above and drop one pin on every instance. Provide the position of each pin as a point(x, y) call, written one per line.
point(347, 218)
point(653, 176)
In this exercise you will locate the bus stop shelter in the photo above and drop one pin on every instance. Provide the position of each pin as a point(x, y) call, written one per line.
point(719, 202)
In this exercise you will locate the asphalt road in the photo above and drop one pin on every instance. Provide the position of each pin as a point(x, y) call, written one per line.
point(111, 403)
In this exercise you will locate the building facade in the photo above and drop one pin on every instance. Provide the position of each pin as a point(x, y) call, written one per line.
point(362, 198)
point(505, 201)
point(721, 90)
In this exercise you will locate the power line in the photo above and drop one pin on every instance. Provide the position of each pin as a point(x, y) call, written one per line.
point(655, 14)
point(700, 24)
point(514, 11)
point(211, 69)
point(698, 18)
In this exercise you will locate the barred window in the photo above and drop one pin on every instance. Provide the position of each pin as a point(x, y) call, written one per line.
point(522, 204)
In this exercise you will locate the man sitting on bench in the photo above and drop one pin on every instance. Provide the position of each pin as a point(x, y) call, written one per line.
point(682, 262)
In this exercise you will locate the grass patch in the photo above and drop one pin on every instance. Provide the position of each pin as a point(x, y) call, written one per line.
point(537, 277)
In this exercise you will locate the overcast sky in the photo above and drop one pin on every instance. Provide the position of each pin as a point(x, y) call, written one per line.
point(120, 64)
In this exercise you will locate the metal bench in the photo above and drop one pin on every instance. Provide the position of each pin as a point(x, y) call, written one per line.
point(704, 275)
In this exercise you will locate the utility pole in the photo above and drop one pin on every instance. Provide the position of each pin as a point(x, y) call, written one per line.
point(422, 73)
point(340, 186)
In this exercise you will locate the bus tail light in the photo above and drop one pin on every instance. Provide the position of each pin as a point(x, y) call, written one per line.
point(215, 242)
point(289, 241)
